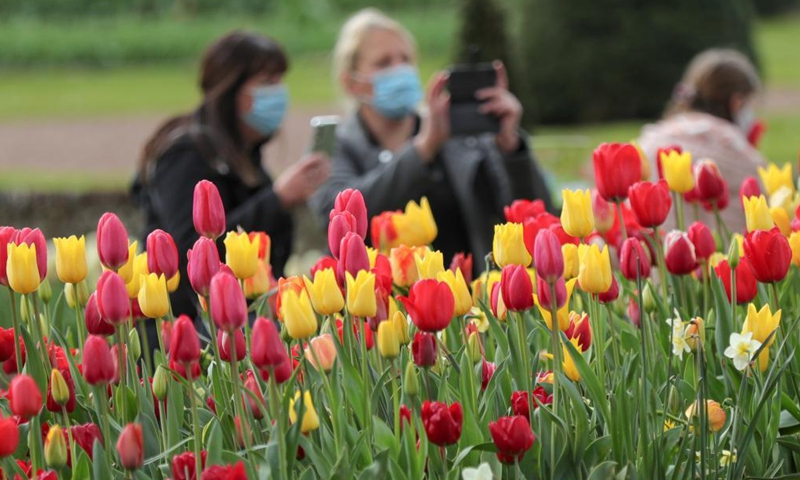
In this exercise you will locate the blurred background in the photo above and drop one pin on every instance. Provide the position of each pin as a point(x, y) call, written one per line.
point(83, 83)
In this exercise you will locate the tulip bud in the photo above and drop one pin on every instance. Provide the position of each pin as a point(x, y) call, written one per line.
point(208, 212)
point(388, 343)
point(353, 257)
point(517, 289)
point(679, 254)
point(98, 365)
point(547, 256)
point(162, 254)
point(424, 349)
point(112, 298)
point(352, 201)
point(153, 295)
point(76, 297)
point(9, 433)
point(324, 350)
point(160, 383)
point(134, 344)
point(59, 388)
point(22, 269)
point(474, 347)
point(401, 327)
point(112, 241)
point(361, 300)
point(45, 291)
point(228, 305)
point(649, 299)
point(733, 254)
point(55, 448)
point(411, 380)
point(203, 264)
point(26, 399)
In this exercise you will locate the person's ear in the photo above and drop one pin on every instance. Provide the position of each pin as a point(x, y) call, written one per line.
point(737, 101)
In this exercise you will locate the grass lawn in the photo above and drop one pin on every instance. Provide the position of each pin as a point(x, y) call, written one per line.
point(104, 87)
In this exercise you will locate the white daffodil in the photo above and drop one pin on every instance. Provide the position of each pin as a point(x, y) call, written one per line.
point(483, 472)
point(679, 343)
point(727, 458)
point(741, 349)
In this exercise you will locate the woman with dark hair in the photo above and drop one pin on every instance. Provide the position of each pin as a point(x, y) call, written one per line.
point(244, 102)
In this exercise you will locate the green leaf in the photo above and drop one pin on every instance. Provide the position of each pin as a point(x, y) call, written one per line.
point(596, 391)
point(384, 437)
point(33, 361)
point(603, 471)
point(175, 408)
point(378, 468)
point(100, 469)
point(213, 443)
point(82, 468)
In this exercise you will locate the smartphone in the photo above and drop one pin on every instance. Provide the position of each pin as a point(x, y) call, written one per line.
point(324, 137)
point(463, 83)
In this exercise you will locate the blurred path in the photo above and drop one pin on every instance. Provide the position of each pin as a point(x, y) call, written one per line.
point(111, 146)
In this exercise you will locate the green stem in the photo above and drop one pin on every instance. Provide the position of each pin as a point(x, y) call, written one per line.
point(101, 403)
point(80, 325)
point(362, 340)
point(160, 339)
point(237, 394)
point(163, 425)
point(395, 404)
point(148, 362)
point(123, 410)
point(622, 228)
point(662, 264)
point(614, 340)
point(555, 330)
point(273, 400)
point(195, 422)
point(15, 323)
point(523, 349)
point(69, 435)
point(679, 218)
point(329, 392)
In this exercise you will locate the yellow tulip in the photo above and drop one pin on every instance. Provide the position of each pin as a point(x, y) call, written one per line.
point(715, 259)
point(298, 316)
point(310, 419)
point(645, 162)
point(430, 264)
point(401, 326)
point(781, 220)
point(568, 364)
point(361, 294)
point(153, 295)
point(259, 283)
point(22, 269)
point(562, 313)
point(762, 323)
point(577, 217)
point(794, 242)
point(757, 214)
point(325, 294)
point(478, 318)
point(126, 271)
point(416, 226)
point(459, 288)
point(482, 286)
point(508, 246)
point(595, 269)
point(241, 254)
point(572, 261)
point(677, 169)
point(71, 263)
point(372, 254)
point(174, 282)
point(785, 198)
point(139, 269)
point(388, 343)
point(774, 177)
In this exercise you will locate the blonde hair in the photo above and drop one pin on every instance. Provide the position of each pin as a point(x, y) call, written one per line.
point(711, 80)
point(354, 33)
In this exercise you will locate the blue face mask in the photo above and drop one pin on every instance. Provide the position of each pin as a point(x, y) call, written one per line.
point(268, 108)
point(396, 91)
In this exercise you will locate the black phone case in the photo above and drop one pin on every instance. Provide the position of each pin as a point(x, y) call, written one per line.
point(464, 81)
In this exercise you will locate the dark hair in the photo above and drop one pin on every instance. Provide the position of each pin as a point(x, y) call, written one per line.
point(227, 64)
point(711, 80)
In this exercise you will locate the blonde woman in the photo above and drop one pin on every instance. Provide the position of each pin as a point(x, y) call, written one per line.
point(392, 154)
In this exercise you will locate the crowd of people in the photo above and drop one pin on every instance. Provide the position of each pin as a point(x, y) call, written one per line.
point(395, 144)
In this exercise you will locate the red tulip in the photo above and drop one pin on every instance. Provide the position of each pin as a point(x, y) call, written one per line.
point(405, 416)
point(192, 373)
point(431, 305)
point(256, 400)
point(34, 237)
point(633, 260)
point(185, 345)
point(702, 239)
point(98, 365)
point(617, 166)
point(208, 213)
point(547, 256)
point(7, 339)
point(162, 254)
point(283, 372)
point(545, 295)
point(10, 366)
point(604, 213)
point(442, 422)
point(112, 298)
point(709, 183)
point(634, 313)
point(666, 151)
point(487, 372)
point(521, 210)
point(183, 465)
point(769, 253)
point(228, 305)
point(580, 328)
point(516, 288)
point(130, 447)
point(95, 324)
point(341, 224)
point(612, 293)
point(756, 132)
point(85, 436)
point(6, 235)
point(352, 201)
point(325, 262)
point(650, 202)
point(721, 202)
point(224, 345)
point(746, 286)
point(112, 241)
point(25, 397)
point(266, 348)
point(382, 230)
point(166, 334)
point(203, 264)
point(512, 436)
point(352, 257)
point(228, 472)
point(749, 188)
point(115, 359)
point(520, 404)
point(464, 263)
point(423, 349)
point(679, 253)
point(9, 436)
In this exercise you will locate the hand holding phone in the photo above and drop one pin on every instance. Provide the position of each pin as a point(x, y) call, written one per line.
point(466, 115)
point(324, 137)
